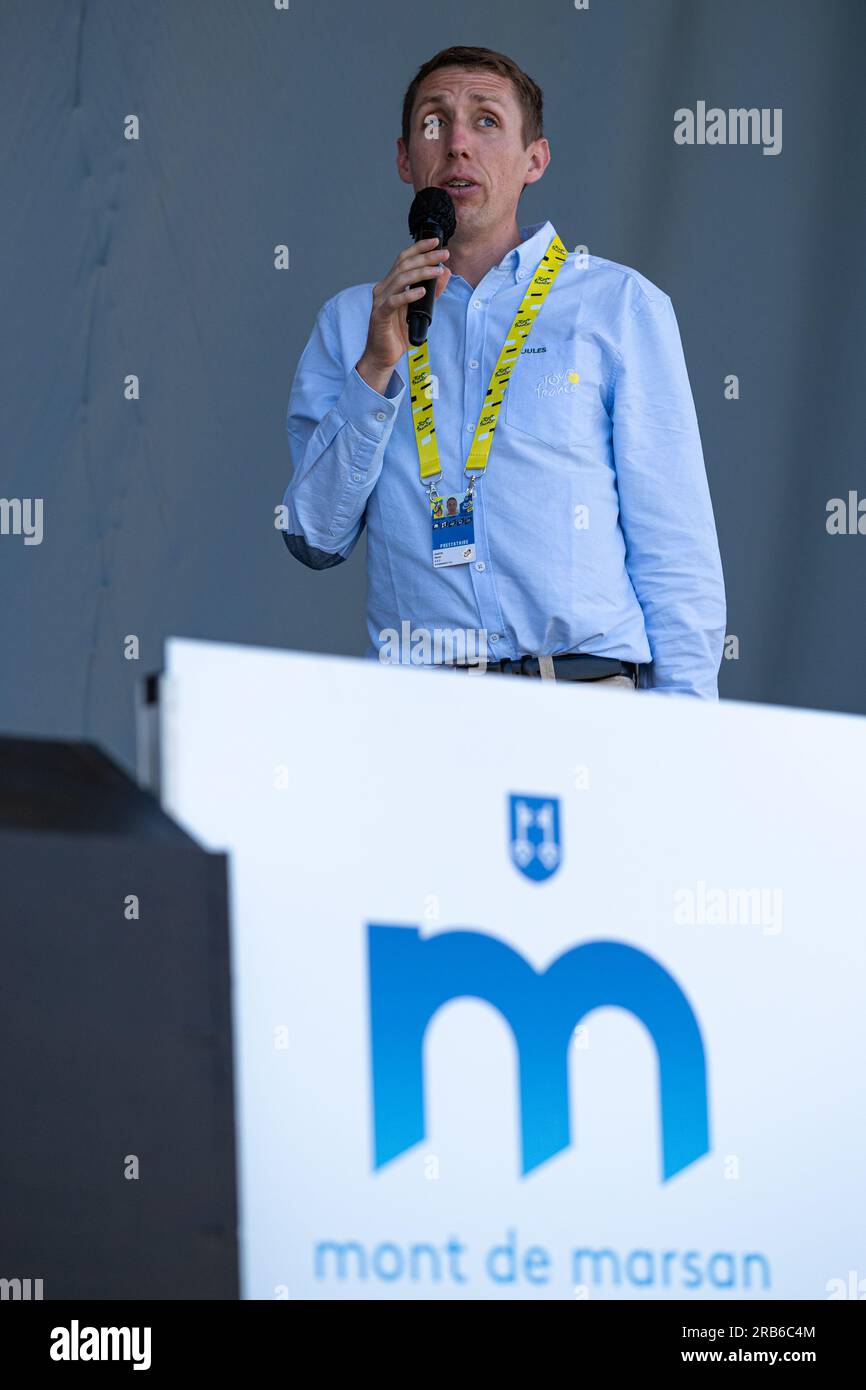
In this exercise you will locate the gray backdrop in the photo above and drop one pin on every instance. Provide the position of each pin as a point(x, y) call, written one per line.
point(261, 127)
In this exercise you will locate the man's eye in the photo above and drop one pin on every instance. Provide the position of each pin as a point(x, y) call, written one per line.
point(440, 121)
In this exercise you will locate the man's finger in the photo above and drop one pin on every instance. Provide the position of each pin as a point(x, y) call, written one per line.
point(414, 257)
point(401, 281)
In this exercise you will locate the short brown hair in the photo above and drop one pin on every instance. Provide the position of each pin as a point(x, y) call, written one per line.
point(528, 93)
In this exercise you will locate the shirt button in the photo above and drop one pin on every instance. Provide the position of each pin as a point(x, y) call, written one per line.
point(521, 274)
point(470, 428)
point(476, 304)
point(356, 478)
point(380, 415)
point(494, 636)
point(479, 565)
point(473, 363)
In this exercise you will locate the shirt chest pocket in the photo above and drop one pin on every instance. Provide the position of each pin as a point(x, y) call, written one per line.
point(555, 398)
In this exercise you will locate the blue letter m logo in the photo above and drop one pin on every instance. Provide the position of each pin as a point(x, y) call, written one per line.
point(411, 977)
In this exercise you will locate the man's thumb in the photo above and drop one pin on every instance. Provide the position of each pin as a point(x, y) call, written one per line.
point(443, 281)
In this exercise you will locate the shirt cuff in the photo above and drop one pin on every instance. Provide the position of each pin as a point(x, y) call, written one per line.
point(371, 413)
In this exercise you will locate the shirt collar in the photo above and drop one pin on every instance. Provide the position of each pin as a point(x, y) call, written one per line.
point(534, 241)
point(519, 263)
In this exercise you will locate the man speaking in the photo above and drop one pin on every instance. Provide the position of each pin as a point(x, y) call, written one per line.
point(551, 400)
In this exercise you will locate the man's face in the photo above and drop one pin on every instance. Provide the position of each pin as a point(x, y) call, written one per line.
point(478, 124)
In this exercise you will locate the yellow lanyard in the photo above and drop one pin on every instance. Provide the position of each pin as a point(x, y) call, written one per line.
point(420, 381)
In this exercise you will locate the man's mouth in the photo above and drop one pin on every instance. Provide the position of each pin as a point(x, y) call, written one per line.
point(459, 187)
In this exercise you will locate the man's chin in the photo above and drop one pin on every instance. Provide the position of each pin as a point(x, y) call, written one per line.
point(469, 220)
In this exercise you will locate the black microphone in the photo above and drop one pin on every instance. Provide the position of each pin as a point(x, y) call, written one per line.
point(431, 214)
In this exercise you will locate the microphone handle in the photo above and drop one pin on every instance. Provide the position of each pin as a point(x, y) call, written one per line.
point(419, 314)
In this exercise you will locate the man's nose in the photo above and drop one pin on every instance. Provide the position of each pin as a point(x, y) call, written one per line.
point(458, 138)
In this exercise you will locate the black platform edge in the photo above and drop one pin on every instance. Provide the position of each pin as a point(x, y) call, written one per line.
point(75, 787)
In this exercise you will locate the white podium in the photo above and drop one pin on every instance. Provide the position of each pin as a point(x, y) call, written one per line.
point(540, 990)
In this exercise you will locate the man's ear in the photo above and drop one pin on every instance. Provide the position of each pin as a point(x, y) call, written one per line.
point(403, 161)
point(539, 152)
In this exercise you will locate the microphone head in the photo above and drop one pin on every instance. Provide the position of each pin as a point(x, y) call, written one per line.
point(432, 208)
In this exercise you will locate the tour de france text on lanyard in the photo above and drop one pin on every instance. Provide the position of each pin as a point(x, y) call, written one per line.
point(453, 524)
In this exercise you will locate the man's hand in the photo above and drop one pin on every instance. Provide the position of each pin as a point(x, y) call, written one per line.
point(388, 332)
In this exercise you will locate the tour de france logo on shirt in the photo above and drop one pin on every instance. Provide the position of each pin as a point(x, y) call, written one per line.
point(558, 384)
point(453, 529)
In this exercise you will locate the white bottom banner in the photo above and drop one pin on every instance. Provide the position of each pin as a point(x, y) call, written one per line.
point(540, 990)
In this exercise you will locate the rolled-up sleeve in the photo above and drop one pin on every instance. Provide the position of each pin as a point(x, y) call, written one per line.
point(666, 514)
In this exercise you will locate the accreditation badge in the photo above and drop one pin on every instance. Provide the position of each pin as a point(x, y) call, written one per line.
point(453, 529)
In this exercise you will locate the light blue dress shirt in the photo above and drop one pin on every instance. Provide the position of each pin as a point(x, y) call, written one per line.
point(593, 520)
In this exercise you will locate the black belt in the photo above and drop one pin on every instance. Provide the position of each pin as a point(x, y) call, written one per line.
point(569, 666)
